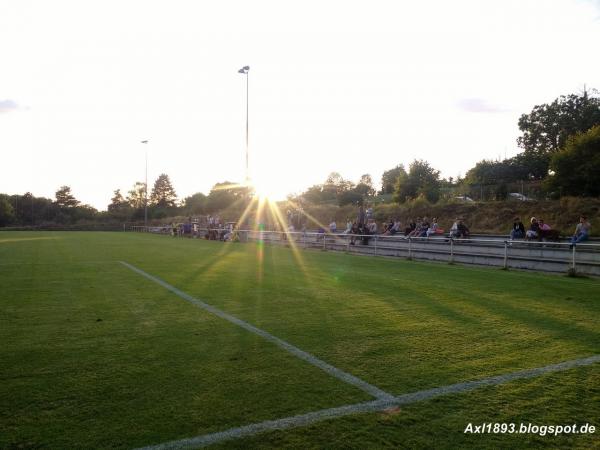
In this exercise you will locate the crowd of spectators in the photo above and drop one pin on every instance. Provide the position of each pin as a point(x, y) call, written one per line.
point(209, 227)
point(538, 230)
point(365, 226)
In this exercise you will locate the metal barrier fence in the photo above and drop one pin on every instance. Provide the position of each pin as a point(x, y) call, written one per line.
point(533, 255)
point(143, 229)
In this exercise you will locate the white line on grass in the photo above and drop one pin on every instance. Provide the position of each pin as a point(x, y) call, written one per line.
point(372, 406)
point(340, 374)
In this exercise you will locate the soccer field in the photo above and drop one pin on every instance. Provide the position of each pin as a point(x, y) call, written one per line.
point(127, 340)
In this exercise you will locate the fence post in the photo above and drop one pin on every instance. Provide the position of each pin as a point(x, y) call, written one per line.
point(409, 248)
point(505, 254)
point(451, 250)
point(324, 241)
point(573, 263)
point(375, 245)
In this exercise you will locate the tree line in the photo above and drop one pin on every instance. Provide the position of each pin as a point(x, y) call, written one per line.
point(162, 202)
point(560, 155)
point(560, 144)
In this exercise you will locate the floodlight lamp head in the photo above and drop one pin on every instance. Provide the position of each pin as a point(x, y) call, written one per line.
point(244, 70)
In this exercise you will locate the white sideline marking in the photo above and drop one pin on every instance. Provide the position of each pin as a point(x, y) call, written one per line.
point(372, 406)
point(340, 374)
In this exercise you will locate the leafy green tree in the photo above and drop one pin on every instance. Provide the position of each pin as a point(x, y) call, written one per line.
point(64, 198)
point(314, 194)
point(119, 207)
point(195, 204)
point(84, 213)
point(390, 178)
point(6, 211)
point(136, 196)
point(488, 172)
point(118, 202)
point(421, 180)
point(332, 190)
point(163, 194)
point(576, 168)
point(335, 185)
point(527, 166)
point(365, 186)
point(350, 197)
point(226, 194)
point(29, 210)
point(547, 127)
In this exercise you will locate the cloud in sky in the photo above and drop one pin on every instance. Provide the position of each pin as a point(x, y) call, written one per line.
point(479, 105)
point(7, 106)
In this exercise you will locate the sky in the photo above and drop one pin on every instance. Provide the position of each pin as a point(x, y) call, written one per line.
point(348, 86)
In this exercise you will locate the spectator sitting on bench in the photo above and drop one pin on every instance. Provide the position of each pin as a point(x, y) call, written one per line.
point(433, 228)
point(410, 228)
point(393, 228)
point(332, 226)
point(534, 230)
point(454, 229)
point(372, 226)
point(397, 227)
point(348, 227)
point(417, 228)
point(582, 231)
point(547, 233)
point(387, 226)
point(518, 229)
point(459, 229)
point(424, 227)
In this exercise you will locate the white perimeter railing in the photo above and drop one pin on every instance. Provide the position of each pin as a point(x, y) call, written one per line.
point(544, 256)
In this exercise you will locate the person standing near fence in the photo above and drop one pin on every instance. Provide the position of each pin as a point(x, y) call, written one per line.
point(348, 226)
point(360, 219)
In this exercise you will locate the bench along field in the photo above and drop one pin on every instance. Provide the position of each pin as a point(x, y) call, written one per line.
point(129, 340)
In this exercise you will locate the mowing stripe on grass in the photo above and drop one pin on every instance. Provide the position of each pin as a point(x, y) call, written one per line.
point(340, 374)
point(372, 406)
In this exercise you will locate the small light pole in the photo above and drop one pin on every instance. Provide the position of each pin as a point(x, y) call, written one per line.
point(244, 70)
point(146, 189)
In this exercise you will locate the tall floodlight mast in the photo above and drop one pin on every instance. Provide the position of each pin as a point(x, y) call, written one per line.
point(244, 70)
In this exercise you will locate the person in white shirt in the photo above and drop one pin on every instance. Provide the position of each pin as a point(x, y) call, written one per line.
point(454, 229)
point(372, 227)
point(433, 227)
point(348, 226)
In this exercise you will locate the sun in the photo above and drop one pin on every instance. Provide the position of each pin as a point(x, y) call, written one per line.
point(267, 189)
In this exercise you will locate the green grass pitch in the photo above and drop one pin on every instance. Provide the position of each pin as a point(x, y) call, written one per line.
point(92, 355)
